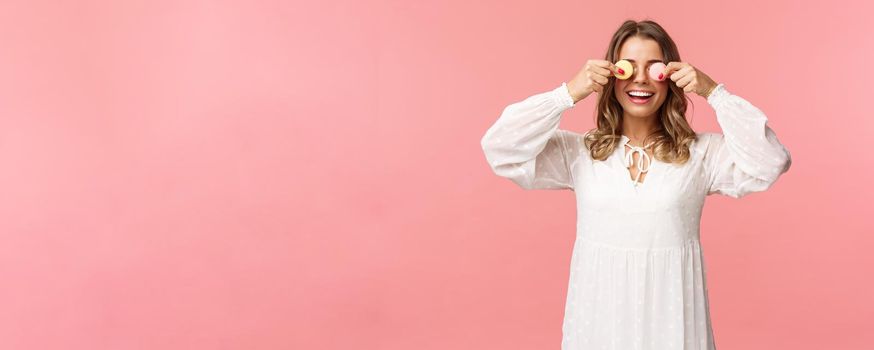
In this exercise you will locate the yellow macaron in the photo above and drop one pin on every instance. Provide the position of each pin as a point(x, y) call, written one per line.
point(626, 67)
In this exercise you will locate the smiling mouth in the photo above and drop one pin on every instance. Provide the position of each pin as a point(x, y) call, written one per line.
point(639, 97)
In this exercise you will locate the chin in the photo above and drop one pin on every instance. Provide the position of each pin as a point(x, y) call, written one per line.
point(637, 111)
point(634, 114)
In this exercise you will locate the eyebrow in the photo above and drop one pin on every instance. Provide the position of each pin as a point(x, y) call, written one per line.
point(650, 61)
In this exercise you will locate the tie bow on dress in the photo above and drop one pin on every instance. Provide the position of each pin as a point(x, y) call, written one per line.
point(644, 158)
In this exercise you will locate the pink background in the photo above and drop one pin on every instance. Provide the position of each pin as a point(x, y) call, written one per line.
point(290, 175)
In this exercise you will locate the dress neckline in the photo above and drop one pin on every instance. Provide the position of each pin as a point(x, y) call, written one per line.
point(627, 160)
point(625, 141)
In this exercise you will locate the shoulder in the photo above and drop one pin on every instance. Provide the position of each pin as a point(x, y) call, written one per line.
point(706, 137)
point(707, 142)
point(571, 136)
point(574, 141)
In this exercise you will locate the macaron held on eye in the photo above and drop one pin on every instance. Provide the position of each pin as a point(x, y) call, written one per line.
point(626, 67)
point(656, 71)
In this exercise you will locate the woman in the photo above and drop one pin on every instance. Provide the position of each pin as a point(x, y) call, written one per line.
point(640, 178)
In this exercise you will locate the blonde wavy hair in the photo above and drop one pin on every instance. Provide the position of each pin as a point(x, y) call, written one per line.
point(673, 138)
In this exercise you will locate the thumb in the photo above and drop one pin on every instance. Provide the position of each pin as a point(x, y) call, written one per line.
point(612, 67)
point(670, 68)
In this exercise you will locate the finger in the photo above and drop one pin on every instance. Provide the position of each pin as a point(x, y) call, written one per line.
point(602, 80)
point(601, 71)
point(672, 67)
point(614, 69)
point(682, 73)
point(611, 67)
point(685, 80)
point(600, 63)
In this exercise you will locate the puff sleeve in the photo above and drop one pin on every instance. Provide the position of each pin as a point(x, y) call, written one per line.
point(526, 146)
point(747, 157)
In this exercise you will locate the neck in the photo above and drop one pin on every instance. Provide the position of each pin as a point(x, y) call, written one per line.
point(637, 129)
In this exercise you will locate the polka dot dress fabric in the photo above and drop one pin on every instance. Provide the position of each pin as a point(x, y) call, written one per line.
point(638, 277)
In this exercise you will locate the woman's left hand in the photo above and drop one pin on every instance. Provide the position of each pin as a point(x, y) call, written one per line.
point(690, 78)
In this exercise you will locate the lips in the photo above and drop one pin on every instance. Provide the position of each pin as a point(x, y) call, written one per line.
point(640, 99)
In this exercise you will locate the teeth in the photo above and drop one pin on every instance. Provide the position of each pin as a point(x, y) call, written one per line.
point(640, 93)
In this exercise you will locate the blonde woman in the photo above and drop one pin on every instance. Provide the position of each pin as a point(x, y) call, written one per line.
point(640, 178)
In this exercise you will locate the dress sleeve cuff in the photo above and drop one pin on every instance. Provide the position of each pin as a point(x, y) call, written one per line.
point(718, 94)
point(562, 96)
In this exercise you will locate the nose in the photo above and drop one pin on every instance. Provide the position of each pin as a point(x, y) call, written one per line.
point(640, 75)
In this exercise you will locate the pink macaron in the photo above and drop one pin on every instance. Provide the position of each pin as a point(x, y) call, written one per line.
point(655, 70)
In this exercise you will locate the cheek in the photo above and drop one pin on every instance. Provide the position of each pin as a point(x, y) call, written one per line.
point(619, 87)
point(664, 95)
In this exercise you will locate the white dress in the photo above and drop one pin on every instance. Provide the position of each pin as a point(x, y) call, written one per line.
point(637, 277)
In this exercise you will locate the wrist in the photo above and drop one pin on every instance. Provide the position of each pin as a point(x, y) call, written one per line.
point(572, 92)
point(709, 91)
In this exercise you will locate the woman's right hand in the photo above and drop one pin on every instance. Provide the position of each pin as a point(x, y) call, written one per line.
point(591, 78)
